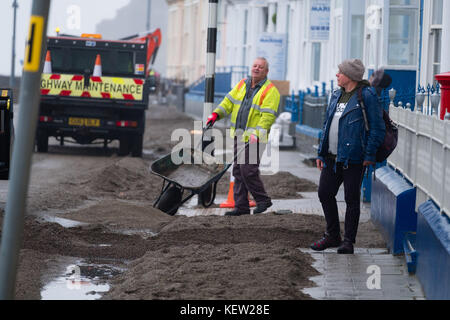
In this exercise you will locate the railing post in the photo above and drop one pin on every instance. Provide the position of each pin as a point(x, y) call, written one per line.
point(420, 99)
point(294, 109)
point(301, 100)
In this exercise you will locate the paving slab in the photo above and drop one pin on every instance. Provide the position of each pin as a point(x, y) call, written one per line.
point(369, 274)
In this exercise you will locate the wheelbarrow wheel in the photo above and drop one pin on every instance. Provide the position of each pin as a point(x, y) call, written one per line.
point(170, 201)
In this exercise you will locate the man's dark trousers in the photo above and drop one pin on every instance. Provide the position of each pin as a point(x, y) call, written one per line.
point(247, 176)
point(331, 179)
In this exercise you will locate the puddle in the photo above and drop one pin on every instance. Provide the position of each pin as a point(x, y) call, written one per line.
point(51, 215)
point(66, 223)
point(144, 233)
point(80, 282)
point(147, 152)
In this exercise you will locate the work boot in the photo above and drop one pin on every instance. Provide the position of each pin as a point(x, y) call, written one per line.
point(346, 248)
point(236, 213)
point(326, 242)
point(260, 208)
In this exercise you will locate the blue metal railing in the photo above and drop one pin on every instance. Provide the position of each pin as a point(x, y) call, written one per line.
point(295, 103)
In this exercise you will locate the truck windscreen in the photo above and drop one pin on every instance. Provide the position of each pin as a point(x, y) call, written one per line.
point(77, 61)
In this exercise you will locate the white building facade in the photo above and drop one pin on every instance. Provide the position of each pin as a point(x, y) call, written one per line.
point(405, 37)
point(435, 46)
point(316, 34)
point(187, 36)
point(408, 38)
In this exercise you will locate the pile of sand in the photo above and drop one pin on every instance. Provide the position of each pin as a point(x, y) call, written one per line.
point(282, 185)
point(123, 216)
point(128, 178)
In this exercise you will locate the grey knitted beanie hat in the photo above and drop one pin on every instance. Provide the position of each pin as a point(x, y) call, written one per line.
point(353, 68)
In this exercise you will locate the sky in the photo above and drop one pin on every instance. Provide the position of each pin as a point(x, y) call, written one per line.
point(71, 16)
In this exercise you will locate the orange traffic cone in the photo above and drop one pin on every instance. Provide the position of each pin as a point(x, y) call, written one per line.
point(48, 63)
point(229, 203)
point(98, 67)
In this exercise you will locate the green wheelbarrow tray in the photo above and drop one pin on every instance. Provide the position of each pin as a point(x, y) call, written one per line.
point(188, 170)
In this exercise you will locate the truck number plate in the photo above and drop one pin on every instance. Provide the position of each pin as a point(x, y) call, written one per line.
point(84, 122)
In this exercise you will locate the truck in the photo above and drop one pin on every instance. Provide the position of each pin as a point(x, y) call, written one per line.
point(96, 91)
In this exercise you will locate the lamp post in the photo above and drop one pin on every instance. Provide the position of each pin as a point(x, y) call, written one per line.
point(13, 58)
point(19, 176)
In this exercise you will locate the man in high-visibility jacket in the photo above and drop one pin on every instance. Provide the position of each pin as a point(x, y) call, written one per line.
point(253, 105)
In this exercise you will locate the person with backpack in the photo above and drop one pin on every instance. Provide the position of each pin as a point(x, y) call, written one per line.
point(348, 146)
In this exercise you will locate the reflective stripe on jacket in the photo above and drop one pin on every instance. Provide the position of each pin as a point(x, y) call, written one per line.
point(263, 111)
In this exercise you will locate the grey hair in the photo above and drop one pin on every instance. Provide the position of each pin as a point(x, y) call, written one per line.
point(265, 60)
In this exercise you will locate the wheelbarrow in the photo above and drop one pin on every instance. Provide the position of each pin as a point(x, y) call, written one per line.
point(182, 181)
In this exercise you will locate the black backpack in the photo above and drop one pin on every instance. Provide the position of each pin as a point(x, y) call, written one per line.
point(391, 137)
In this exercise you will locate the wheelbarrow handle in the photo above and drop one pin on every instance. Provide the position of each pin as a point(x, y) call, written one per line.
point(208, 126)
point(239, 153)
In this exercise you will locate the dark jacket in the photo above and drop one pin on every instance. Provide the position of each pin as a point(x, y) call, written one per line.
point(355, 144)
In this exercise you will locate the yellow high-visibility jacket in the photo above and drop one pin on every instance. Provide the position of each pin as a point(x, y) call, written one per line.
point(262, 114)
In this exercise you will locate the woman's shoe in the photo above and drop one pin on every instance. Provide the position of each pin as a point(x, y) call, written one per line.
point(325, 243)
point(346, 248)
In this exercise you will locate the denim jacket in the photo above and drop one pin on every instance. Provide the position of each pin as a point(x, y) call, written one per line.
point(355, 144)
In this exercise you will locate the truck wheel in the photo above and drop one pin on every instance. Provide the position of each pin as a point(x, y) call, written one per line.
point(42, 141)
point(124, 146)
point(137, 143)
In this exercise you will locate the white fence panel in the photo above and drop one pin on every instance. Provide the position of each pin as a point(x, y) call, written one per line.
point(410, 156)
point(446, 180)
point(423, 162)
point(423, 155)
point(437, 169)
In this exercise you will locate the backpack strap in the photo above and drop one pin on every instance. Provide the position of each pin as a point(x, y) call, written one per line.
point(363, 108)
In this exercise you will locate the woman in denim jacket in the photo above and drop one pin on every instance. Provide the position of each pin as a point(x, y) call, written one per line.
point(346, 148)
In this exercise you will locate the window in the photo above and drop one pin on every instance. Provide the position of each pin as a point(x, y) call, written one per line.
point(402, 36)
point(245, 26)
point(404, 3)
point(315, 59)
point(244, 53)
point(438, 7)
point(76, 61)
point(265, 18)
point(437, 52)
point(288, 20)
point(337, 58)
point(357, 37)
point(436, 36)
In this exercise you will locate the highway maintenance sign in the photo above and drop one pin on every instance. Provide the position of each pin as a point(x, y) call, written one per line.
point(67, 85)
